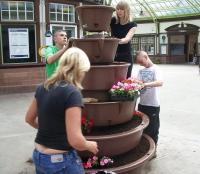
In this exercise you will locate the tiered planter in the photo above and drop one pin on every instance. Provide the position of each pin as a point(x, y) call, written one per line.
point(95, 18)
point(118, 135)
point(109, 113)
point(133, 161)
point(111, 142)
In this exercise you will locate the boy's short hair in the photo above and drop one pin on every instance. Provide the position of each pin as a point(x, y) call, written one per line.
point(138, 53)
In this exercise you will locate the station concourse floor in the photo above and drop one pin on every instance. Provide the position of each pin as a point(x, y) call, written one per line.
point(178, 149)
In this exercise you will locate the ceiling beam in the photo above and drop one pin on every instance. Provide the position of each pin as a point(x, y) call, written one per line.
point(144, 4)
point(197, 2)
point(146, 7)
point(193, 5)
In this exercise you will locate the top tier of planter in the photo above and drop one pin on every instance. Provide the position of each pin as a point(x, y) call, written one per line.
point(95, 18)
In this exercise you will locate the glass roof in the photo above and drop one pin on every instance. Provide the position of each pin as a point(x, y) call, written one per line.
point(161, 9)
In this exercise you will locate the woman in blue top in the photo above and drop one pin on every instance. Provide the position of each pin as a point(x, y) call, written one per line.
point(122, 28)
point(56, 114)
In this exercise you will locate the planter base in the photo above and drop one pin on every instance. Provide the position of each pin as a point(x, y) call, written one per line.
point(118, 139)
point(132, 162)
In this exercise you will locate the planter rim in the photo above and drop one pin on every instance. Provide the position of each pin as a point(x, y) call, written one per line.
point(127, 167)
point(143, 125)
point(94, 39)
point(96, 6)
point(114, 64)
point(106, 103)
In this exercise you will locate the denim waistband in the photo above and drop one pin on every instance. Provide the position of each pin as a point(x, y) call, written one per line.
point(64, 154)
point(52, 163)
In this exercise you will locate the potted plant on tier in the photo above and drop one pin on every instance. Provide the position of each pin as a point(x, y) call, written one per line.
point(96, 162)
point(126, 90)
point(86, 124)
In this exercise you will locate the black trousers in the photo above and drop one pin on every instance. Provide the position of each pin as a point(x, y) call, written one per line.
point(127, 59)
point(154, 121)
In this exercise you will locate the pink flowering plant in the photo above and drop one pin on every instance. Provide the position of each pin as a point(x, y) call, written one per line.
point(137, 115)
point(126, 89)
point(95, 162)
point(86, 124)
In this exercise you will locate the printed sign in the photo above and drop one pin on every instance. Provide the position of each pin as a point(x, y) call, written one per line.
point(18, 43)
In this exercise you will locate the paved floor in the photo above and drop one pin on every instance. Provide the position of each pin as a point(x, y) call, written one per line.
point(179, 143)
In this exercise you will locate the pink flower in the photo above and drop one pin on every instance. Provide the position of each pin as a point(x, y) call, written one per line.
point(128, 88)
point(96, 162)
point(105, 161)
point(89, 165)
point(95, 158)
point(137, 114)
point(86, 124)
point(115, 87)
point(102, 163)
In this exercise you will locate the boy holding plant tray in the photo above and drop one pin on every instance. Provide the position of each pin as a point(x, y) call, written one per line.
point(149, 102)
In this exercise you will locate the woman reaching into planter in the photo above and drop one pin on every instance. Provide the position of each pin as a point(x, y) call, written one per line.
point(122, 28)
point(56, 112)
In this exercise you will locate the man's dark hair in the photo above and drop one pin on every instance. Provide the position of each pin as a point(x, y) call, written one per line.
point(58, 31)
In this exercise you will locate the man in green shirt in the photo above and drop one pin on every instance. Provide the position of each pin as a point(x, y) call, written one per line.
point(53, 53)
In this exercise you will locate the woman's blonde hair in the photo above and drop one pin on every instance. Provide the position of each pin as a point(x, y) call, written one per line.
point(72, 64)
point(122, 5)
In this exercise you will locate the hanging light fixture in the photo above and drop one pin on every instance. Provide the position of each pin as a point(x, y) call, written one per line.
point(141, 12)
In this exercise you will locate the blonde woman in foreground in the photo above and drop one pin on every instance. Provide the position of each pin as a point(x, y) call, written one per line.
point(56, 112)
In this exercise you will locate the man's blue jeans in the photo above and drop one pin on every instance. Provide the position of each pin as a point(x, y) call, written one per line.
point(67, 163)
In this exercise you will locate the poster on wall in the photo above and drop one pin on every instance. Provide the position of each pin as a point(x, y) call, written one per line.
point(163, 39)
point(48, 38)
point(163, 49)
point(18, 43)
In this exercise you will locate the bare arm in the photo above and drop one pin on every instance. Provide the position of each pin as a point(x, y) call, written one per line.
point(53, 58)
point(74, 132)
point(31, 115)
point(128, 37)
point(154, 84)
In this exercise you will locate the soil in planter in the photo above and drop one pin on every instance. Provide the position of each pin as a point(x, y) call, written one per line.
point(109, 130)
point(129, 157)
point(132, 155)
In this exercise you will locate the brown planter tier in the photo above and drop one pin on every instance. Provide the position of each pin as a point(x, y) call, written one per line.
point(98, 35)
point(100, 95)
point(118, 139)
point(95, 17)
point(134, 161)
point(109, 113)
point(124, 98)
point(102, 77)
point(99, 50)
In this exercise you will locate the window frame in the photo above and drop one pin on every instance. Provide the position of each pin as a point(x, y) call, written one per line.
point(36, 25)
point(64, 26)
point(148, 44)
point(20, 60)
point(62, 14)
point(140, 43)
point(17, 11)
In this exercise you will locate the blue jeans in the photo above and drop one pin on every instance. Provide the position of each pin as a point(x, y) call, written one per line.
point(67, 163)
